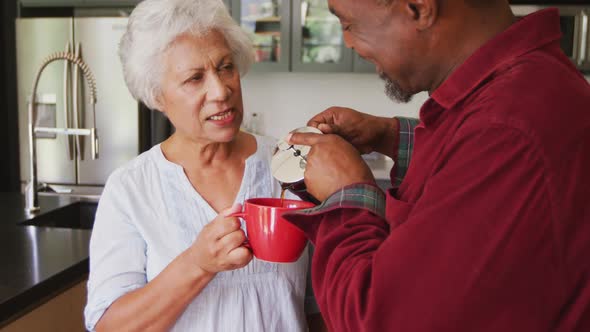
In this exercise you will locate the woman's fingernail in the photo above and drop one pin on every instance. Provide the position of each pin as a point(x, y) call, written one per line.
point(289, 137)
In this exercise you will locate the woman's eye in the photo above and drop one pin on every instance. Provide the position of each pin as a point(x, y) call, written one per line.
point(227, 67)
point(346, 27)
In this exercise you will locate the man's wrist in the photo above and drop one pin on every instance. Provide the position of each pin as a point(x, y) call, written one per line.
point(389, 139)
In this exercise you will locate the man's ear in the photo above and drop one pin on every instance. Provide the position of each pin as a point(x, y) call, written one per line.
point(423, 12)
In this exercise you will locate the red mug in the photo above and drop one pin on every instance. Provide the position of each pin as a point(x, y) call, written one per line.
point(271, 237)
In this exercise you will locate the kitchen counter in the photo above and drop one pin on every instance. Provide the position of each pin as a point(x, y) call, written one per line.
point(37, 263)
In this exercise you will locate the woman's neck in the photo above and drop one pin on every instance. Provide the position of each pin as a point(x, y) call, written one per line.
point(191, 154)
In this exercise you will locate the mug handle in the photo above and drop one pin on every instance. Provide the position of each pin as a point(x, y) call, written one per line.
point(242, 215)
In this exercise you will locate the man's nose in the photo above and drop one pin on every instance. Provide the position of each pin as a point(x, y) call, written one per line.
point(347, 41)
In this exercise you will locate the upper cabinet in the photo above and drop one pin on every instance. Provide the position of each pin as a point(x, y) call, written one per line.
point(288, 35)
point(296, 35)
point(78, 3)
point(267, 23)
point(317, 42)
point(50, 3)
point(108, 3)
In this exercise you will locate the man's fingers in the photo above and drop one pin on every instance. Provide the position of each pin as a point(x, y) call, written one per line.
point(304, 138)
point(324, 117)
point(314, 122)
point(328, 128)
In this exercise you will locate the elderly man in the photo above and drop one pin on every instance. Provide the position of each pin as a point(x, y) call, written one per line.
point(490, 228)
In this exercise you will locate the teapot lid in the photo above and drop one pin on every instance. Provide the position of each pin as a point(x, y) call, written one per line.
point(289, 161)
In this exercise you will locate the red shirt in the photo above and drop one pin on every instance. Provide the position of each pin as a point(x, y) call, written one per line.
point(490, 229)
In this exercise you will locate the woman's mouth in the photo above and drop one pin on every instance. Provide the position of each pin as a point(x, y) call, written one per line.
point(222, 116)
point(225, 118)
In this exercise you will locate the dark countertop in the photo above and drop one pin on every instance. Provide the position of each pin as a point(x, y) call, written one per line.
point(36, 263)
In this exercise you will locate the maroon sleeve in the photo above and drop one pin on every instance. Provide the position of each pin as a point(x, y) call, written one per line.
point(475, 252)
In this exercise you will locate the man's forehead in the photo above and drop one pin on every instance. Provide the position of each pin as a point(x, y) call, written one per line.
point(347, 9)
point(340, 7)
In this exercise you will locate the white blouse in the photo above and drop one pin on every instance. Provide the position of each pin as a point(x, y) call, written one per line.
point(149, 213)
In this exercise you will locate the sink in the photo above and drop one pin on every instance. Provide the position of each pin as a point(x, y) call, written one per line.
point(78, 215)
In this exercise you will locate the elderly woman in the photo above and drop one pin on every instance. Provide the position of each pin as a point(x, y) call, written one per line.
point(164, 255)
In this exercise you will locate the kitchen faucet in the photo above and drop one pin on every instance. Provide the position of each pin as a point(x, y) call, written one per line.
point(31, 194)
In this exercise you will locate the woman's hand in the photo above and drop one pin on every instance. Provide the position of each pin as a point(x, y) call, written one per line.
point(219, 246)
point(158, 304)
point(366, 132)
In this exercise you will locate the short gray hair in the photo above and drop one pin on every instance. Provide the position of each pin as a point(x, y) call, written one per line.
point(155, 24)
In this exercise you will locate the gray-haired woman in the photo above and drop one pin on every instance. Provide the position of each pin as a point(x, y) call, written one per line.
point(163, 254)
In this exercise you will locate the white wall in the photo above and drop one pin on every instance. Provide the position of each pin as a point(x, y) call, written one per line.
point(285, 101)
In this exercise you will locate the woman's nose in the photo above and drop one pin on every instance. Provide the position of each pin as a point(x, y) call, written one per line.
point(217, 89)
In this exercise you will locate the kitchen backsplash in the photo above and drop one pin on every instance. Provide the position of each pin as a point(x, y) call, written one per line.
point(284, 101)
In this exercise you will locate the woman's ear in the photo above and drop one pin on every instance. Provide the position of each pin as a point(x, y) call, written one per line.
point(159, 103)
point(423, 12)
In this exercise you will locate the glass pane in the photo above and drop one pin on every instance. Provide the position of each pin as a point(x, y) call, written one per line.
point(262, 20)
point(321, 33)
point(567, 24)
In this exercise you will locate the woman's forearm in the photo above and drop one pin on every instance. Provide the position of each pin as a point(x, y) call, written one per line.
point(157, 305)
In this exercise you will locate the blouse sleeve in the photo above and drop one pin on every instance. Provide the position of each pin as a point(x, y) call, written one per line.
point(117, 252)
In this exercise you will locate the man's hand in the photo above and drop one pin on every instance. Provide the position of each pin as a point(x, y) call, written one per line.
point(366, 132)
point(332, 163)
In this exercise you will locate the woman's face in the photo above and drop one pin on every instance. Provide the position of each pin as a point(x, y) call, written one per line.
point(200, 89)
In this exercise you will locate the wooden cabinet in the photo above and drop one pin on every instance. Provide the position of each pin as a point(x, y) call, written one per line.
point(64, 312)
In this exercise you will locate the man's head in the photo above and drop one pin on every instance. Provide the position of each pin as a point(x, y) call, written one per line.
point(415, 44)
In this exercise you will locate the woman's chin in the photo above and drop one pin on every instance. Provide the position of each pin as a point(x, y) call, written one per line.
point(224, 135)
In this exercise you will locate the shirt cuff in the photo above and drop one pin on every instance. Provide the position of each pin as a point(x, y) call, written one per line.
point(359, 195)
point(405, 147)
point(366, 196)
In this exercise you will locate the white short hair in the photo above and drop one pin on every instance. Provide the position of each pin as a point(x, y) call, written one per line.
point(155, 24)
